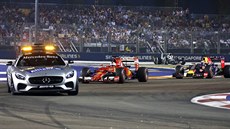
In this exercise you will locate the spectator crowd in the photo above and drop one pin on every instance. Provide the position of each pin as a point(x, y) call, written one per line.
point(176, 27)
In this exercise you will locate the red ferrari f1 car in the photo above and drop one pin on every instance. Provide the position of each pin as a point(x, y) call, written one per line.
point(118, 71)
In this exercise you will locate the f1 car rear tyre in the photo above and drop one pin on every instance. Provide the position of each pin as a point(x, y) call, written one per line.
point(208, 69)
point(142, 74)
point(227, 71)
point(179, 74)
point(85, 72)
point(75, 92)
point(121, 73)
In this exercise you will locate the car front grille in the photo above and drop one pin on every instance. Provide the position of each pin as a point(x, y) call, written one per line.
point(46, 80)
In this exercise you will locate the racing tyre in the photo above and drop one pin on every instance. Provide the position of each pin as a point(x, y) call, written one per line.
point(121, 73)
point(227, 71)
point(208, 69)
point(75, 92)
point(142, 74)
point(179, 74)
point(85, 73)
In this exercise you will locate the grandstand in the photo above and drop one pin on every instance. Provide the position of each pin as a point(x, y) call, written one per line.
point(116, 29)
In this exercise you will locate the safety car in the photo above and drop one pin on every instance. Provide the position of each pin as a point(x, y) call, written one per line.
point(40, 69)
point(119, 70)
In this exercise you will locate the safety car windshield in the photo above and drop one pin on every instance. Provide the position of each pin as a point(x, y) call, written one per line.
point(40, 60)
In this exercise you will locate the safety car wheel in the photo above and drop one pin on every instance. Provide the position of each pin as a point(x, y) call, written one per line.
point(142, 74)
point(208, 69)
point(227, 71)
point(179, 74)
point(85, 73)
point(121, 73)
point(12, 89)
point(75, 92)
point(8, 86)
point(8, 90)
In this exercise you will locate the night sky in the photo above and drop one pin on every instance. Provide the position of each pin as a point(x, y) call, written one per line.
point(195, 6)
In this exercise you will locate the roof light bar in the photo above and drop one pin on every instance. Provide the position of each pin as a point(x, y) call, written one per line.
point(49, 48)
point(27, 48)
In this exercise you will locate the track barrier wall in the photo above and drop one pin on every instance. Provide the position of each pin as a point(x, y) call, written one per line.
point(10, 54)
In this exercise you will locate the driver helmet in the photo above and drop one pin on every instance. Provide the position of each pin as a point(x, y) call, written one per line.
point(202, 62)
point(206, 60)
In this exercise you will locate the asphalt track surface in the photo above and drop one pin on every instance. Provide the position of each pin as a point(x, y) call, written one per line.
point(157, 104)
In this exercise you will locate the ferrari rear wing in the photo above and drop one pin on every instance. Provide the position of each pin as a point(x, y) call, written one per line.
point(129, 59)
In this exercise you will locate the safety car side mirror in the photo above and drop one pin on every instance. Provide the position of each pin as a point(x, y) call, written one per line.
point(9, 63)
point(70, 61)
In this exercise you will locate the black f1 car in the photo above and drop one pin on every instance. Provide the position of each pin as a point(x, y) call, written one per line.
point(205, 69)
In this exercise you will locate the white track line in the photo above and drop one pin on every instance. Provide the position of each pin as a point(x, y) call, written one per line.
point(2, 79)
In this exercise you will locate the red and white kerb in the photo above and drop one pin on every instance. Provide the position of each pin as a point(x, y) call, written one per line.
point(220, 100)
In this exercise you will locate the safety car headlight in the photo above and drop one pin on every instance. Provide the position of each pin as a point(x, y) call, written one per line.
point(70, 74)
point(20, 76)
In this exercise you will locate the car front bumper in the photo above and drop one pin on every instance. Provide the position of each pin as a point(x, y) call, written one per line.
point(26, 86)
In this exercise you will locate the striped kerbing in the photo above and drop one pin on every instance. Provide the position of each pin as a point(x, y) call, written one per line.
point(219, 100)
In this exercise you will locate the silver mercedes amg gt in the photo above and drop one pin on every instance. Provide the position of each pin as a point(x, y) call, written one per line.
point(41, 72)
